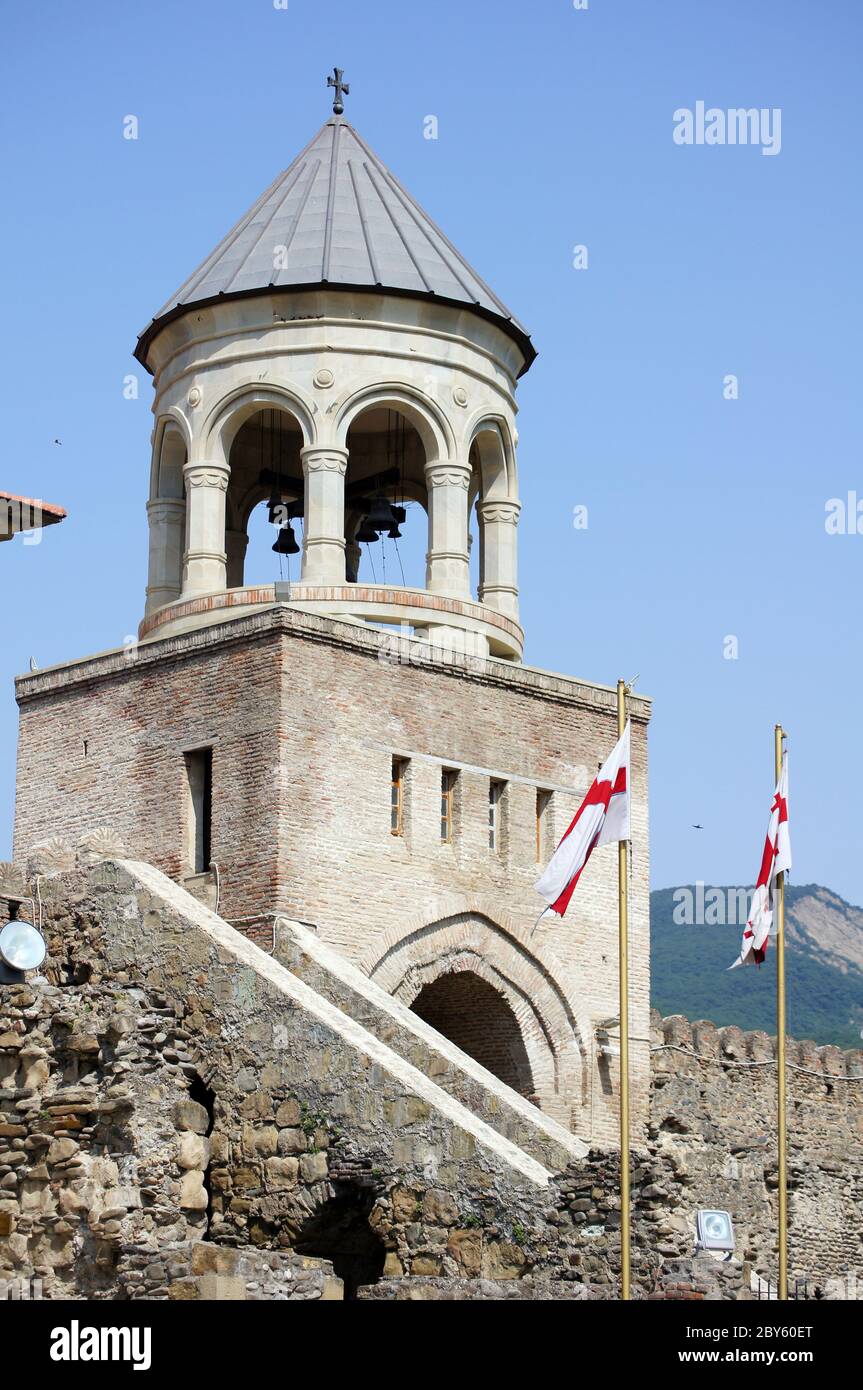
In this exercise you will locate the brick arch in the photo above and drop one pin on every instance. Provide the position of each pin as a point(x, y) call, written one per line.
point(403, 962)
point(476, 1015)
point(502, 1035)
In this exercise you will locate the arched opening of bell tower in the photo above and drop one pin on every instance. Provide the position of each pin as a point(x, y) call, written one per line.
point(386, 500)
point(265, 468)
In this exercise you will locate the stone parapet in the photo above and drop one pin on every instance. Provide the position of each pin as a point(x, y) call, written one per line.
point(709, 1042)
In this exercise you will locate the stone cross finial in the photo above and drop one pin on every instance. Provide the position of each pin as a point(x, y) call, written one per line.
point(342, 89)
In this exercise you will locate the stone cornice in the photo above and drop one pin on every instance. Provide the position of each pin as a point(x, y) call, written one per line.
point(240, 336)
point(279, 619)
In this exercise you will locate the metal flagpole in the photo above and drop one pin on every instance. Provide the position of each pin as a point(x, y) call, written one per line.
point(781, 1137)
point(623, 956)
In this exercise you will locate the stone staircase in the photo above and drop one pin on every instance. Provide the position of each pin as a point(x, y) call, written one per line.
point(334, 977)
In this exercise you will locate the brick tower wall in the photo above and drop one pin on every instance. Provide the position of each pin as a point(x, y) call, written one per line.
point(304, 716)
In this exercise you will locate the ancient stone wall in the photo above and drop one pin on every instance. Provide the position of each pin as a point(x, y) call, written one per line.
point(713, 1113)
point(181, 1117)
point(101, 1150)
point(244, 1111)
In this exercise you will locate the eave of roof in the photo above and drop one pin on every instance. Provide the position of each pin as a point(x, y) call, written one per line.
point(41, 514)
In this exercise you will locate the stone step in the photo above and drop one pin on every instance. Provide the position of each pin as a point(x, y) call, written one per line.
point(328, 972)
point(316, 1016)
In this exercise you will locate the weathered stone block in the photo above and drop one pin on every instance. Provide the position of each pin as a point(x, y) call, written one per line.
point(188, 1114)
point(465, 1246)
point(313, 1167)
point(194, 1151)
point(193, 1196)
point(288, 1114)
point(282, 1172)
point(405, 1202)
point(260, 1141)
point(440, 1206)
point(291, 1141)
point(61, 1150)
point(503, 1260)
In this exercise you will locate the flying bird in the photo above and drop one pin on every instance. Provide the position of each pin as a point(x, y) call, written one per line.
point(58, 441)
point(698, 827)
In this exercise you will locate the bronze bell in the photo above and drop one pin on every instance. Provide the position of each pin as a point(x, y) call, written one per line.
point(382, 515)
point(399, 516)
point(286, 542)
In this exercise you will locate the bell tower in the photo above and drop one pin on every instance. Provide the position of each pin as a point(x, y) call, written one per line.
point(336, 357)
point(270, 746)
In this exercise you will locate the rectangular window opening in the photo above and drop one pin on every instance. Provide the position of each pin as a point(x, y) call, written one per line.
point(397, 797)
point(447, 798)
point(495, 794)
point(543, 817)
point(199, 773)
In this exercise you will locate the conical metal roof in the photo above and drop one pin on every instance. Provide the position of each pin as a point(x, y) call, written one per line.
point(342, 219)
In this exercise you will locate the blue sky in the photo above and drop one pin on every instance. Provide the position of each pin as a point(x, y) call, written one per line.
point(706, 515)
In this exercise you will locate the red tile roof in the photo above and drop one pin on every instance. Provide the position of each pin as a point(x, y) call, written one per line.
point(26, 514)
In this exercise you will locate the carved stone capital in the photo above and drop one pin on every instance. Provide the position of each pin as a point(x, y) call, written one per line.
point(503, 511)
point(50, 857)
point(166, 508)
point(207, 475)
point(317, 460)
point(448, 474)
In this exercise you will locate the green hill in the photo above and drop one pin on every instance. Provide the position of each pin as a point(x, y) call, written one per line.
point(824, 968)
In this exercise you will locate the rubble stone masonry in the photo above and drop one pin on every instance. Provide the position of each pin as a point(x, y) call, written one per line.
point(182, 1117)
point(713, 1113)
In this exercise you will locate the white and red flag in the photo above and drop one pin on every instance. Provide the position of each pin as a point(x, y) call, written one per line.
point(602, 817)
point(775, 860)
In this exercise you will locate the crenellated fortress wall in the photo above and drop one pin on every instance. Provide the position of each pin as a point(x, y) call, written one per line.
point(713, 1109)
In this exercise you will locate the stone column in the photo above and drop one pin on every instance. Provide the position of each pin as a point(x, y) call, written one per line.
point(167, 521)
point(499, 522)
point(204, 570)
point(324, 521)
point(236, 544)
point(447, 564)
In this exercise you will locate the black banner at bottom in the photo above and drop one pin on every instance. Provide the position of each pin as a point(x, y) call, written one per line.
point(56, 1339)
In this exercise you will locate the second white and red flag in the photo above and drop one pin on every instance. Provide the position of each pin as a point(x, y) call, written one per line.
point(775, 860)
point(602, 818)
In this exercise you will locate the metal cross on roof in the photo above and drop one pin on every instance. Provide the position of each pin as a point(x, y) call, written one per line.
point(342, 88)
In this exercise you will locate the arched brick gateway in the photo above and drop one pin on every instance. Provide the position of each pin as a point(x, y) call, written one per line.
point(478, 1019)
point(528, 987)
